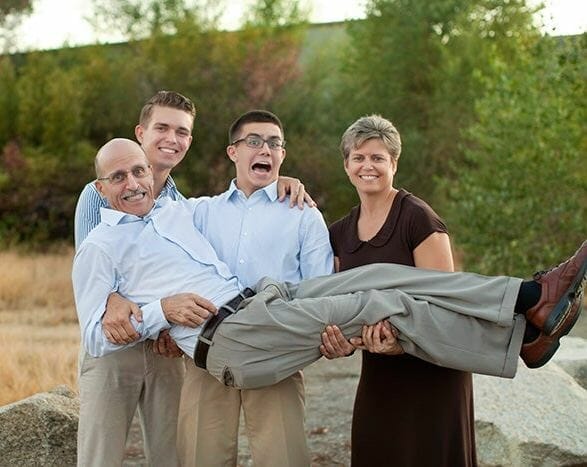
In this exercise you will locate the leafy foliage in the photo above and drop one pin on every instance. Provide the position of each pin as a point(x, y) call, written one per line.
point(11, 13)
point(66, 103)
point(521, 196)
point(490, 112)
point(418, 63)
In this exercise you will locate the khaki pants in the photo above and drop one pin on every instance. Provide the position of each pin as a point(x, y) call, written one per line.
point(458, 320)
point(209, 420)
point(111, 389)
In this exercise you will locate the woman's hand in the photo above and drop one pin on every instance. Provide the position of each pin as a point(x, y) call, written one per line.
point(379, 338)
point(334, 344)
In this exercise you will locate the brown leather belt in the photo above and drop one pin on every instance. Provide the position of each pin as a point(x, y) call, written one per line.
point(205, 338)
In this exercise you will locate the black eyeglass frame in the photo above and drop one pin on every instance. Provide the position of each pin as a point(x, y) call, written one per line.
point(269, 142)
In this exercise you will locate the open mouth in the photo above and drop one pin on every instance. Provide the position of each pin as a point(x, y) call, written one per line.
point(263, 167)
point(134, 196)
point(168, 150)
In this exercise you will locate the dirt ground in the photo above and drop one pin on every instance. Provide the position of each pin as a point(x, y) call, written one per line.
point(330, 387)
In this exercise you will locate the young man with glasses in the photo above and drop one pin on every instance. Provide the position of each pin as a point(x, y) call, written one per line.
point(256, 236)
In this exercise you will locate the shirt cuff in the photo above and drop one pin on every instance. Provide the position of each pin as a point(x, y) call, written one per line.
point(153, 320)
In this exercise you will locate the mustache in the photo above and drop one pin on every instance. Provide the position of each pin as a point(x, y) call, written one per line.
point(130, 193)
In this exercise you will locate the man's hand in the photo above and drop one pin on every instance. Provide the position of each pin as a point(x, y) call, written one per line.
point(334, 344)
point(295, 189)
point(187, 309)
point(379, 338)
point(166, 346)
point(116, 323)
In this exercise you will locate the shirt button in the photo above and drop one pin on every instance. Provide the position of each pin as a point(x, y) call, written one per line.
point(241, 261)
point(244, 234)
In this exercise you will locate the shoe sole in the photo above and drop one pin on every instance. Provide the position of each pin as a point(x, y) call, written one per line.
point(565, 304)
point(556, 343)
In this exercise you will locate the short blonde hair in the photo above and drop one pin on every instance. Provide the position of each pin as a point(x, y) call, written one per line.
point(371, 127)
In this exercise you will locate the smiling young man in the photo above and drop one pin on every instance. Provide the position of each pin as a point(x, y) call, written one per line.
point(256, 236)
point(165, 133)
point(112, 388)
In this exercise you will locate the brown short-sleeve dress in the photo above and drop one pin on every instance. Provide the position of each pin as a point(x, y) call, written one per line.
point(407, 412)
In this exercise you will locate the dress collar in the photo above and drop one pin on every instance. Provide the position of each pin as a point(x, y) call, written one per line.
point(352, 242)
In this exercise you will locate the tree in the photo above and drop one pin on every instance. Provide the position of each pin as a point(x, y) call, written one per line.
point(11, 14)
point(418, 63)
point(8, 99)
point(176, 45)
point(270, 14)
point(139, 19)
point(45, 160)
point(315, 117)
point(519, 200)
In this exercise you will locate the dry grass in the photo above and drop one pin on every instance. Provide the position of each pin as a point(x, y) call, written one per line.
point(36, 359)
point(39, 335)
point(34, 281)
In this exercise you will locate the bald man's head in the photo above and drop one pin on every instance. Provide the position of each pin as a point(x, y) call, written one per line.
point(113, 149)
point(124, 176)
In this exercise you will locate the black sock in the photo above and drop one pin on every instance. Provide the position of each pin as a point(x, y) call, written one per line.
point(528, 296)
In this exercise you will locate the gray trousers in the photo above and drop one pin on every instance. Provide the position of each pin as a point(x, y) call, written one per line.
point(458, 320)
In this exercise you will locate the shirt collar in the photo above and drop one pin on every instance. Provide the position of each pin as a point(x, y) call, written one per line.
point(270, 190)
point(114, 217)
point(169, 187)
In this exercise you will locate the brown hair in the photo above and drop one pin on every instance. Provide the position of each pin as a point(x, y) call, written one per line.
point(252, 116)
point(166, 99)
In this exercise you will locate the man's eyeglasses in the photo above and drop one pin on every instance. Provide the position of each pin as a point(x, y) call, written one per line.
point(116, 178)
point(256, 142)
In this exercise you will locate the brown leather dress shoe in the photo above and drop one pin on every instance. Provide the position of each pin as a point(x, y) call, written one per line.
point(560, 300)
point(558, 309)
point(538, 352)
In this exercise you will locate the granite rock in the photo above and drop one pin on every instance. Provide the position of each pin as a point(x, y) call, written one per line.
point(40, 430)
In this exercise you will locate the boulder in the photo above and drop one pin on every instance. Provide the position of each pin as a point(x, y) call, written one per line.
point(40, 430)
point(572, 357)
point(539, 418)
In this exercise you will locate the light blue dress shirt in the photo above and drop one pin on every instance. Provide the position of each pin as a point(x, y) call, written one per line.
point(118, 255)
point(87, 210)
point(259, 236)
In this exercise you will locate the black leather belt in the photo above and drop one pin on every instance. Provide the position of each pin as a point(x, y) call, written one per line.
point(205, 338)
